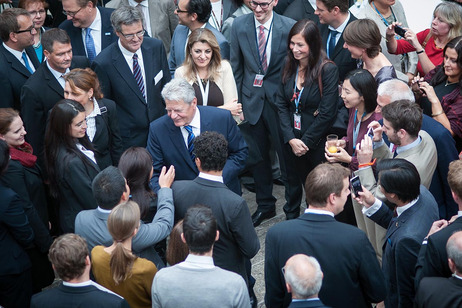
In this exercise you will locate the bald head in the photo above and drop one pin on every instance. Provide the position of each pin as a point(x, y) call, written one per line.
point(454, 250)
point(303, 276)
point(391, 91)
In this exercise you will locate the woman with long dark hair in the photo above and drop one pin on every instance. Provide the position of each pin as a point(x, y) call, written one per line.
point(70, 160)
point(307, 103)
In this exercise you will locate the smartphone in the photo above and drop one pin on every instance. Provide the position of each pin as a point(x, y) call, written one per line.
point(400, 31)
point(370, 133)
point(356, 185)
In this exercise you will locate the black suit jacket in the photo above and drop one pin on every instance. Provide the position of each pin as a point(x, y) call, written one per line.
point(238, 239)
point(108, 35)
point(15, 234)
point(119, 84)
point(13, 75)
point(341, 57)
point(301, 9)
point(352, 274)
point(439, 292)
point(38, 95)
point(74, 297)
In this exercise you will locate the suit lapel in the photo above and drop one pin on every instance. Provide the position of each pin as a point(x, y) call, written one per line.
point(341, 41)
point(14, 62)
point(251, 38)
point(181, 40)
point(177, 140)
point(149, 68)
point(52, 82)
point(276, 40)
point(33, 57)
point(99, 123)
point(106, 31)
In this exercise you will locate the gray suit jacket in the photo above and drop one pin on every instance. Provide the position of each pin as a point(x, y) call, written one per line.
point(246, 63)
point(92, 225)
point(162, 18)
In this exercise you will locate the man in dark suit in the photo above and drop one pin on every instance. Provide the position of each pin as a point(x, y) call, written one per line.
point(444, 292)
point(352, 275)
point(18, 60)
point(301, 9)
point(415, 211)
point(334, 17)
point(88, 26)
point(433, 259)
point(171, 137)
point(257, 74)
point(238, 241)
point(71, 261)
point(132, 72)
point(192, 14)
point(303, 278)
point(46, 87)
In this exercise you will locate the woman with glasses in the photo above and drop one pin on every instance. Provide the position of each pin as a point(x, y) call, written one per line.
point(70, 161)
point(307, 103)
point(211, 77)
point(37, 10)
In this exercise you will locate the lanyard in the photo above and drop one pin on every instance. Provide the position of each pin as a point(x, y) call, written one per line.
point(215, 19)
point(356, 128)
point(296, 97)
point(205, 93)
point(266, 44)
point(383, 18)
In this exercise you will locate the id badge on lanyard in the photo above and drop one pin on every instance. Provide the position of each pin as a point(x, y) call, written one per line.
point(258, 81)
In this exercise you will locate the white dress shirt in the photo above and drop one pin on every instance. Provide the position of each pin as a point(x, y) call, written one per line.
point(58, 75)
point(18, 55)
point(267, 26)
point(196, 127)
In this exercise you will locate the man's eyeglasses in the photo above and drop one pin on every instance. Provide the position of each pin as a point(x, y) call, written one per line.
point(72, 14)
point(131, 36)
point(30, 30)
point(180, 11)
point(263, 5)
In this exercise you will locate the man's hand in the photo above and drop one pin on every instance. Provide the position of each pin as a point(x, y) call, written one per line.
point(364, 150)
point(364, 197)
point(298, 147)
point(437, 226)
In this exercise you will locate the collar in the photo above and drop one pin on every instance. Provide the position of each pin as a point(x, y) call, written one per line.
point(318, 212)
point(196, 121)
point(195, 261)
point(409, 146)
point(54, 72)
point(342, 26)
point(79, 284)
point(459, 213)
point(456, 276)
point(96, 111)
point(201, 27)
point(267, 24)
point(133, 3)
point(305, 299)
point(128, 53)
point(96, 24)
point(210, 177)
point(401, 209)
point(103, 210)
point(16, 53)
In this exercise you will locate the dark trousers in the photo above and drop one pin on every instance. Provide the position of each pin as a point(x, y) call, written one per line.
point(16, 290)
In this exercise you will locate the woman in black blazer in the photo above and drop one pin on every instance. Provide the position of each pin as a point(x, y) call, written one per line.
point(70, 161)
point(82, 85)
point(307, 104)
point(24, 177)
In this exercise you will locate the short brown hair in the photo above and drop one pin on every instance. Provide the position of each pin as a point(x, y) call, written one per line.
point(324, 180)
point(9, 22)
point(364, 33)
point(343, 5)
point(24, 3)
point(54, 35)
point(7, 116)
point(84, 79)
point(403, 114)
point(67, 254)
point(455, 177)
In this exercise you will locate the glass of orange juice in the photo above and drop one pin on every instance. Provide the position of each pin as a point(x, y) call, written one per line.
point(332, 143)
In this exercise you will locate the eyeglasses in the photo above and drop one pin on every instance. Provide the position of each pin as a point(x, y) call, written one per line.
point(131, 36)
point(39, 12)
point(263, 5)
point(72, 14)
point(180, 11)
point(30, 30)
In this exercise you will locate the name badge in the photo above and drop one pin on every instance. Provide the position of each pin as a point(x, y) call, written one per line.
point(258, 81)
point(297, 121)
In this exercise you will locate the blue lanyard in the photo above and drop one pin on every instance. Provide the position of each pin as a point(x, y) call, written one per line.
point(356, 129)
point(266, 44)
point(383, 18)
point(297, 97)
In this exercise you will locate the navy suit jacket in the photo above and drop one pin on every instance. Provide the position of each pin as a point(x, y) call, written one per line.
point(308, 304)
point(167, 147)
point(13, 75)
point(402, 244)
point(179, 40)
point(439, 292)
point(119, 84)
point(108, 35)
point(301, 9)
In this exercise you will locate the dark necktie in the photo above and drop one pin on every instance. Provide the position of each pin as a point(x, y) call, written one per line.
point(333, 35)
point(394, 150)
point(262, 47)
point(137, 74)
point(26, 62)
point(91, 52)
point(190, 141)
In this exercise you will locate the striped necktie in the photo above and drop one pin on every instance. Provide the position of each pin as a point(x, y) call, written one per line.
point(190, 141)
point(137, 74)
point(262, 47)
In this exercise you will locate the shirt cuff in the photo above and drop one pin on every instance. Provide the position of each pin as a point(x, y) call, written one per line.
point(378, 144)
point(373, 209)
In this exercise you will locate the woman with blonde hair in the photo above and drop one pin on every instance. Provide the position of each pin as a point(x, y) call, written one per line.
point(116, 267)
point(211, 77)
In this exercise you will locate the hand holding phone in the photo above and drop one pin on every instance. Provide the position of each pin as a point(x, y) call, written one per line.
point(399, 30)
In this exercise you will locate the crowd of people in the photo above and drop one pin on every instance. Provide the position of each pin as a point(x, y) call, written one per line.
point(126, 127)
